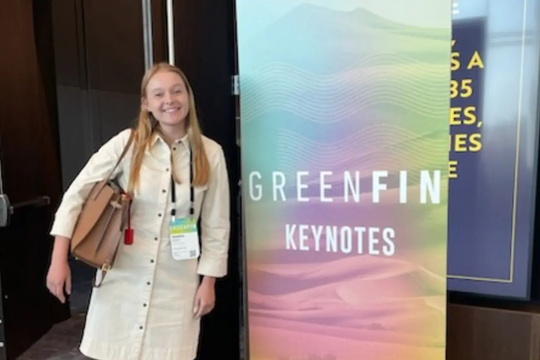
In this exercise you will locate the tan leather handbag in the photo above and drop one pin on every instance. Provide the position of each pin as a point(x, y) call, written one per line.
point(101, 223)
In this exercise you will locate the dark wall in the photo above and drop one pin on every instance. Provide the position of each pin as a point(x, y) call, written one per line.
point(205, 51)
point(99, 64)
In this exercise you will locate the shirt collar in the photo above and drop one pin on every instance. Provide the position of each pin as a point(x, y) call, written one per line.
point(156, 137)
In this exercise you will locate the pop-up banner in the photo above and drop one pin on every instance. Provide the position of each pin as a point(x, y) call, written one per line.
point(345, 150)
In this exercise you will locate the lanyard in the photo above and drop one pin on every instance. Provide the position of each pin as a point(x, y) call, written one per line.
point(191, 191)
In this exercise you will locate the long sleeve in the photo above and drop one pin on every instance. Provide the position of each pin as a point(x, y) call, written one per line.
point(95, 170)
point(215, 220)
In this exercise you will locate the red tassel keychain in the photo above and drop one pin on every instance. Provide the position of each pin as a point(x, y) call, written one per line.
point(128, 234)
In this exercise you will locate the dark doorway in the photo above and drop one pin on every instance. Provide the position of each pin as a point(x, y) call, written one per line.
point(29, 159)
point(205, 50)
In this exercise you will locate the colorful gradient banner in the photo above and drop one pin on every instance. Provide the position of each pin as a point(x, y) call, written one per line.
point(345, 144)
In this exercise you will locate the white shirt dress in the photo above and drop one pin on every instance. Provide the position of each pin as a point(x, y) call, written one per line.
point(144, 308)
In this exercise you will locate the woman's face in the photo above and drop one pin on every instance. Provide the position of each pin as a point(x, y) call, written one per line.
point(167, 99)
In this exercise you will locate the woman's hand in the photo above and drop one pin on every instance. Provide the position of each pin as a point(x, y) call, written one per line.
point(59, 275)
point(205, 299)
point(59, 278)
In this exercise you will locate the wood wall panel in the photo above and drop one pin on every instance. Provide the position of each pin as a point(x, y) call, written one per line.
point(479, 333)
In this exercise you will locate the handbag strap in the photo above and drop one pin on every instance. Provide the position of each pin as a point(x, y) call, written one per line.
point(96, 283)
point(124, 152)
point(122, 155)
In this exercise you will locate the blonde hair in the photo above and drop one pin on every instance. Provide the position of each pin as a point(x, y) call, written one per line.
point(145, 129)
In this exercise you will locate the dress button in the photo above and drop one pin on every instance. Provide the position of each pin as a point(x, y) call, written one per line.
point(152, 261)
point(144, 305)
point(164, 191)
point(159, 215)
point(174, 148)
point(156, 238)
point(140, 327)
point(148, 283)
point(167, 169)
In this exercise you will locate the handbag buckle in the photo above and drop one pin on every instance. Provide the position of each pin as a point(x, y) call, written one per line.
point(106, 267)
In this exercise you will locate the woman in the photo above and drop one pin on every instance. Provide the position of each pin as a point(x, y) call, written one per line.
point(150, 304)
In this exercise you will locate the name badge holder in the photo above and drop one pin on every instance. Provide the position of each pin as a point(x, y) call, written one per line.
point(183, 232)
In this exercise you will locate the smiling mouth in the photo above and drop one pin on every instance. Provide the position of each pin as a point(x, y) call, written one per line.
point(171, 110)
